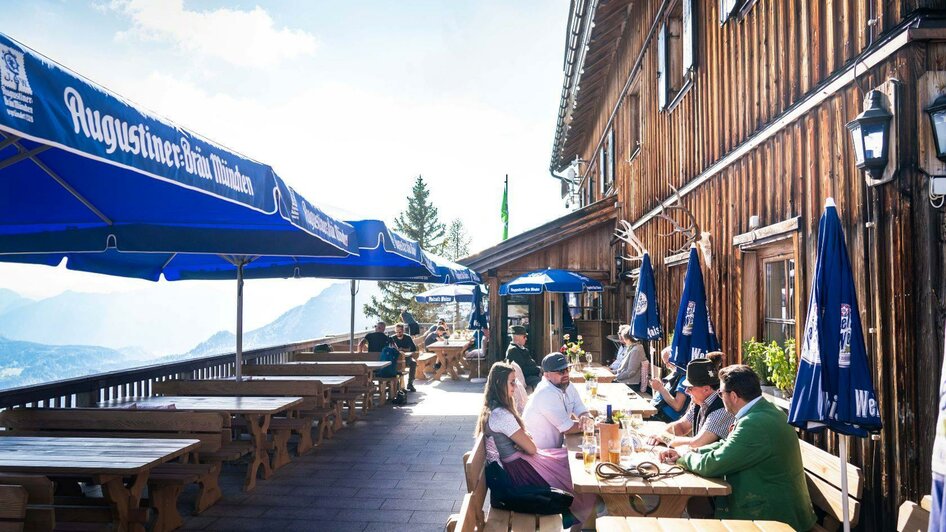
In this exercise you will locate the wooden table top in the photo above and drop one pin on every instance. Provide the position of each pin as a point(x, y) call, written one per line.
point(659, 524)
point(685, 484)
point(600, 372)
point(88, 456)
point(201, 403)
point(331, 381)
point(449, 344)
point(370, 364)
point(619, 396)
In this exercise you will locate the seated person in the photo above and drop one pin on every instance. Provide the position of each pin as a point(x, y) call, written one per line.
point(440, 323)
point(517, 352)
point(707, 420)
point(405, 344)
point(375, 341)
point(508, 442)
point(435, 336)
point(760, 458)
point(413, 328)
point(631, 355)
point(479, 343)
point(555, 408)
point(670, 396)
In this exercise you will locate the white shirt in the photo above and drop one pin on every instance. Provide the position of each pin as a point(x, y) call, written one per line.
point(548, 413)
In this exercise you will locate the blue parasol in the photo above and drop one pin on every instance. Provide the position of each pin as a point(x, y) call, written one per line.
point(938, 493)
point(833, 387)
point(451, 293)
point(549, 280)
point(646, 321)
point(693, 335)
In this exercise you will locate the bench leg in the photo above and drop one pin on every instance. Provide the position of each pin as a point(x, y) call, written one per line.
point(280, 448)
point(210, 491)
point(164, 504)
point(305, 438)
point(258, 426)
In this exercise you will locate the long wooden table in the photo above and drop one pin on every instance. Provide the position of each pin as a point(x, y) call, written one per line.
point(670, 524)
point(448, 356)
point(256, 411)
point(327, 381)
point(619, 396)
point(673, 493)
point(601, 373)
point(106, 461)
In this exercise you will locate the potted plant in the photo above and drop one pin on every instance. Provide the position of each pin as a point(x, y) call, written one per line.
point(782, 366)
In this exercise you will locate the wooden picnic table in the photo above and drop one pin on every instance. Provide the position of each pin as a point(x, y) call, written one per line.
point(660, 524)
point(256, 411)
point(602, 373)
point(619, 396)
point(370, 364)
point(106, 461)
point(448, 356)
point(672, 492)
point(328, 381)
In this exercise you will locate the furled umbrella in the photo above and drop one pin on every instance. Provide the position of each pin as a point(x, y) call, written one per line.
point(833, 387)
point(693, 335)
point(477, 322)
point(645, 323)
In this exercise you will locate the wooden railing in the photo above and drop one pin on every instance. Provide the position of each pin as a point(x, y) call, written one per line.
point(136, 382)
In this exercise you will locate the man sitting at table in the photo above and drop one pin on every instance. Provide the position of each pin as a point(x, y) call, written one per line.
point(375, 341)
point(435, 336)
point(405, 344)
point(760, 458)
point(555, 408)
point(517, 352)
point(707, 419)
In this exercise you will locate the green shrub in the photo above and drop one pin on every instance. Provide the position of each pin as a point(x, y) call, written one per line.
point(753, 355)
point(781, 363)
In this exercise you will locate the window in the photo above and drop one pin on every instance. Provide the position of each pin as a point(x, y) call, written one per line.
point(778, 308)
point(769, 291)
point(603, 167)
point(675, 54)
point(632, 126)
point(732, 9)
point(609, 182)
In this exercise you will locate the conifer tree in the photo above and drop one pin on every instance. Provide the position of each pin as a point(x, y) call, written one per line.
point(419, 222)
point(457, 241)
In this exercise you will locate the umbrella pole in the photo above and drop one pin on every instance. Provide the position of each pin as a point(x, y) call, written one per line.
point(844, 497)
point(238, 371)
point(351, 330)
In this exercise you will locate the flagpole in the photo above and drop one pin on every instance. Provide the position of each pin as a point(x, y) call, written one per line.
point(844, 497)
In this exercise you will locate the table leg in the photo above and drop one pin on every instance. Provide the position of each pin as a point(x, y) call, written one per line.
point(125, 500)
point(259, 426)
point(452, 366)
point(305, 437)
point(442, 360)
point(619, 504)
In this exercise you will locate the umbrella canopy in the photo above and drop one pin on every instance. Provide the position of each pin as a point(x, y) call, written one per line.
point(85, 171)
point(645, 324)
point(833, 387)
point(451, 293)
point(478, 318)
point(448, 272)
point(693, 335)
point(549, 280)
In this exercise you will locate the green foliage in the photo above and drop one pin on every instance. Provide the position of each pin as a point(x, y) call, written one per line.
point(753, 355)
point(457, 241)
point(420, 223)
point(781, 363)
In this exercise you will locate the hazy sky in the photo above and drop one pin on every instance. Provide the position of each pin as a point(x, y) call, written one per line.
point(347, 100)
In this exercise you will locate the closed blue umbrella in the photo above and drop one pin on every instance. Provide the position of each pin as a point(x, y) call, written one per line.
point(938, 493)
point(549, 280)
point(833, 387)
point(693, 335)
point(478, 321)
point(645, 323)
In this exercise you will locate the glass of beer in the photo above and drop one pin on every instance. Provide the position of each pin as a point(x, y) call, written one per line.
point(589, 449)
point(614, 451)
point(594, 387)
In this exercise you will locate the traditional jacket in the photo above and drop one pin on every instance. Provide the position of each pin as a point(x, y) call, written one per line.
point(521, 356)
point(761, 460)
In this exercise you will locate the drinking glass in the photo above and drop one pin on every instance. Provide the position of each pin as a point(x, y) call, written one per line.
point(588, 357)
point(589, 449)
point(588, 428)
point(594, 387)
point(614, 451)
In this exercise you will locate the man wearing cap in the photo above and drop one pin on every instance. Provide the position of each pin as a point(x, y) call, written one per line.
point(555, 407)
point(517, 352)
point(707, 420)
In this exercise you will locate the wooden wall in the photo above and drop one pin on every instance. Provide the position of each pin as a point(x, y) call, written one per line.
point(748, 72)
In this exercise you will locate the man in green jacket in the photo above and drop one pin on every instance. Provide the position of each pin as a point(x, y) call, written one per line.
point(760, 459)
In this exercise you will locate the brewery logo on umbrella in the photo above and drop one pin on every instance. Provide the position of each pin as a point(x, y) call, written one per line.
point(646, 322)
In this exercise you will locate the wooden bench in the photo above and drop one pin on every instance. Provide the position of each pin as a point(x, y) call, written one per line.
point(472, 515)
point(823, 473)
point(385, 387)
point(315, 407)
point(672, 524)
point(165, 481)
point(360, 390)
point(915, 517)
point(425, 362)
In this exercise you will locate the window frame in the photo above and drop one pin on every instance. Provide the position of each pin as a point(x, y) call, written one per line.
point(669, 52)
point(753, 285)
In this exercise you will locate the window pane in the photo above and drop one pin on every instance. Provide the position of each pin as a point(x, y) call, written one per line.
point(779, 332)
point(775, 296)
point(779, 301)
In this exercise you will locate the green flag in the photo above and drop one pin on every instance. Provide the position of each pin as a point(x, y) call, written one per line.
point(504, 210)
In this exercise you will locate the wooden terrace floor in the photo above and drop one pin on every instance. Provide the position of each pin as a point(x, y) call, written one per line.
point(400, 468)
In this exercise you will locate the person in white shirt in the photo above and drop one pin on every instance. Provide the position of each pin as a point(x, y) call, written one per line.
point(631, 357)
point(555, 408)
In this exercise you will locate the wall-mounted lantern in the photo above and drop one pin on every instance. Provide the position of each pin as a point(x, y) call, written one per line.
point(870, 133)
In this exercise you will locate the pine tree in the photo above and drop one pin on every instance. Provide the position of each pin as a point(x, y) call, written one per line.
point(419, 222)
point(457, 241)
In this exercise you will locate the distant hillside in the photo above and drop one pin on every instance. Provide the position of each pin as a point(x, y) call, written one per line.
point(10, 300)
point(23, 363)
point(325, 314)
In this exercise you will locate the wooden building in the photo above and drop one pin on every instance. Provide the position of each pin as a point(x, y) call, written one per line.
point(742, 106)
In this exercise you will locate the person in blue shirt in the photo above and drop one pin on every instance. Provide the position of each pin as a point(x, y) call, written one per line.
point(670, 396)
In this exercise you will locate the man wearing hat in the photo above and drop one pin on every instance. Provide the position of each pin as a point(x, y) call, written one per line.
point(554, 409)
point(707, 420)
point(517, 352)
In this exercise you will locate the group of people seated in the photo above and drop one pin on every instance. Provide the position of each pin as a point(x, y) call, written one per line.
point(718, 426)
